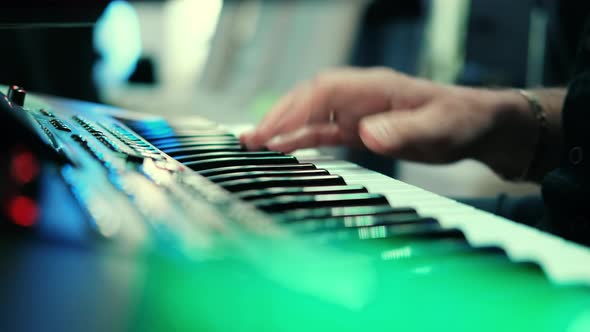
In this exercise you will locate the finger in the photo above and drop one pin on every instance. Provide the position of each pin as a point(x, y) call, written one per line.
point(294, 116)
point(408, 134)
point(255, 139)
point(314, 102)
point(336, 91)
point(278, 120)
point(281, 107)
point(349, 94)
point(306, 137)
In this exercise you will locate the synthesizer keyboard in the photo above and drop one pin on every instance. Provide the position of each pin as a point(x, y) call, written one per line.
point(181, 228)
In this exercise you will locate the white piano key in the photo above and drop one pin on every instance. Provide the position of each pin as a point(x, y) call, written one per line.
point(562, 261)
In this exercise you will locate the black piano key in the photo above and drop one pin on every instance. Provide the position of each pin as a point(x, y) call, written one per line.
point(262, 183)
point(217, 155)
point(276, 192)
point(419, 230)
point(259, 174)
point(197, 138)
point(337, 223)
point(142, 124)
point(303, 214)
point(240, 161)
point(198, 144)
point(395, 247)
point(420, 250)
point(328, 224)
point(202, 149)
point(258, 168)
point(157, 138)
point(411, 252)
point(439, 253)
point(423, 230)
point(280, 204)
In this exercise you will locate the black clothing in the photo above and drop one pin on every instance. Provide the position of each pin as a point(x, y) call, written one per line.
point(566, 190)
point(564, 31)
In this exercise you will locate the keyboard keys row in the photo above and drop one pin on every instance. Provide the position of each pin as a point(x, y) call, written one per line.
point(300, 196)
point(325, 203)
point(271, 180)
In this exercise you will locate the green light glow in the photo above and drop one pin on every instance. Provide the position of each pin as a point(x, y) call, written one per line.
point(289, 286)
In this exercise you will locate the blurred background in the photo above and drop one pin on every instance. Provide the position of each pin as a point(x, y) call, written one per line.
point(230, 60)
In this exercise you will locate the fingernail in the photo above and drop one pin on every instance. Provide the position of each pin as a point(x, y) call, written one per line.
point(378, 128)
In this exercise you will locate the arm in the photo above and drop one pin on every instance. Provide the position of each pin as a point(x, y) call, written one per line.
point(415, 119)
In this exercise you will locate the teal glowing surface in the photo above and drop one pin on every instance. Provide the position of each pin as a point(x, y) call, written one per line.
point(386, 285)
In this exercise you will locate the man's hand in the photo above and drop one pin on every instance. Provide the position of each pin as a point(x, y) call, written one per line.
point(403, 117)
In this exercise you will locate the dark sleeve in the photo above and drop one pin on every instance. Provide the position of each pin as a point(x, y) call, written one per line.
point(566, 190)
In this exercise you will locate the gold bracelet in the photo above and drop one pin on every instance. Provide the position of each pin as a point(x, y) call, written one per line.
point(539, 146)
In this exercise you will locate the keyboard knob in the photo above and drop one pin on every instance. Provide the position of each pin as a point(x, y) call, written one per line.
point(16, 95)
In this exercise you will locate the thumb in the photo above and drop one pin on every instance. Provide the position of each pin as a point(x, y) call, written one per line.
point(400, 133)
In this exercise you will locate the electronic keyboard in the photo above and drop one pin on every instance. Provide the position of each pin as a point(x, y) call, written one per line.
point(118, 220)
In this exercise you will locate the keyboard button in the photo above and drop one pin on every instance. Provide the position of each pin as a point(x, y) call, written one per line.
point(258, 168)
point(262, 183)
point(259, 174)
point(226, 162)
point(281, 204)
point(60, 125)
point(217, 155)
point(47, 113)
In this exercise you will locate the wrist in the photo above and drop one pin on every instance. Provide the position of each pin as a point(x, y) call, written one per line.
point(513, 134)
point(526, 133)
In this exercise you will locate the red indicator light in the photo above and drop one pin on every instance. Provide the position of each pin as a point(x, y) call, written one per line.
point(23, 211)
point(24, 166)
